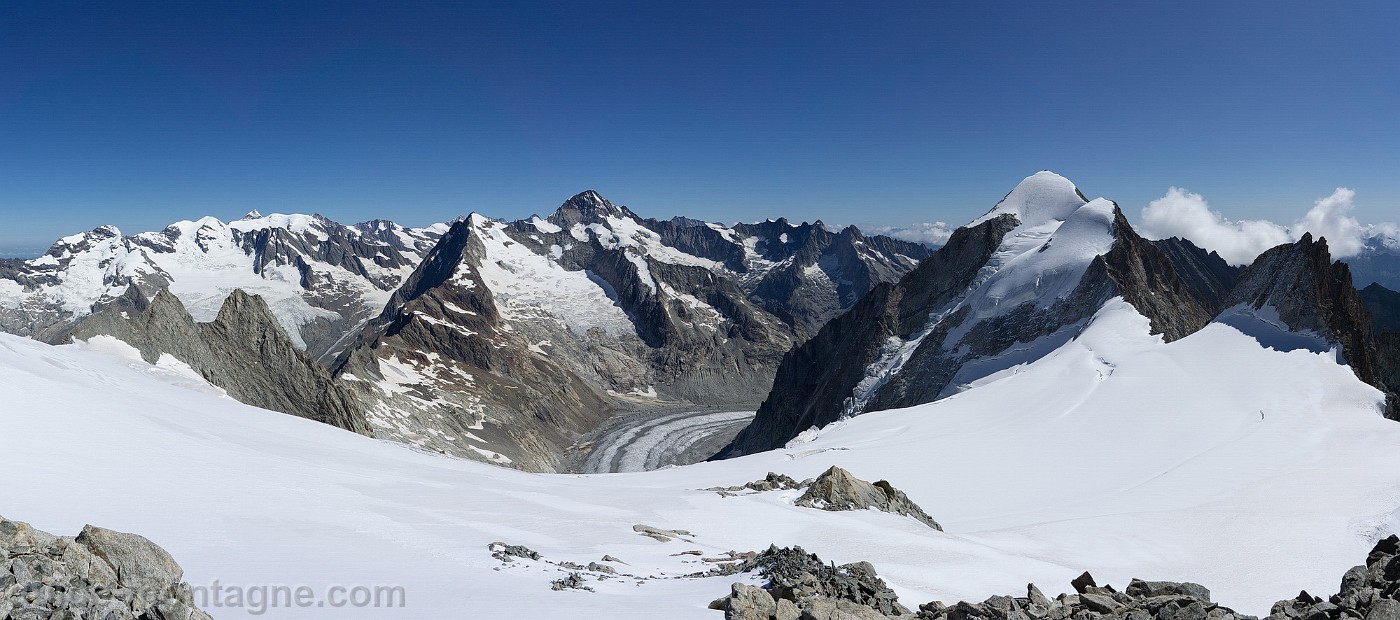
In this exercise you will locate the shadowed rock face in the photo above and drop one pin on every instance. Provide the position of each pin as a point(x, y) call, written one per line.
point(244, 351)
point(99, 574)
point(1205, 272)
point(1384, 306)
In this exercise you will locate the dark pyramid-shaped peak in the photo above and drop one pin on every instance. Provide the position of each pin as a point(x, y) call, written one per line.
point(590, 208)
point(852, 233)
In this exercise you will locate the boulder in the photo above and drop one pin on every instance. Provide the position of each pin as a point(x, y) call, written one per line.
point(140, 564)
point(1148, 589)
point(836, 489)
point(99, 574)
point(747, 602)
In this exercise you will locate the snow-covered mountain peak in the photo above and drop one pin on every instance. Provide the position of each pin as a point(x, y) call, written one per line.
point(1045, 262)
point(314, 225)
point(72, 244)
point(253, 215)
point(1038, 199)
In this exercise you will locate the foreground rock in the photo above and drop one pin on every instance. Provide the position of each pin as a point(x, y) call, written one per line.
point(100, 574)
point(836, 489)
point(800, 585)
point(1141, 600)
point(1367, 591)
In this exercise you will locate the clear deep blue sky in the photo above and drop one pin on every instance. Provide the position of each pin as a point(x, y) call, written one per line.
point(139, 114)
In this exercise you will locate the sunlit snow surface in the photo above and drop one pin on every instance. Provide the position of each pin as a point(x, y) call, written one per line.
point(1253, 471)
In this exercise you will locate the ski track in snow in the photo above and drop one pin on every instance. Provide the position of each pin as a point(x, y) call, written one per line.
point(656, 442)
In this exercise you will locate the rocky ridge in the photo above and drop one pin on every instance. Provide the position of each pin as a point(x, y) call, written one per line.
point(98, 574)
point(1384, 306)
point(243, 350)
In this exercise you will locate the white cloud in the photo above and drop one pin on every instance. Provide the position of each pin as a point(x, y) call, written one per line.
point(928, 233)
point(1328, 218)
point(1183, 214)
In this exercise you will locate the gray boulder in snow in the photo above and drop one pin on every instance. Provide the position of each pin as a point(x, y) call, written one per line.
point(99, 574)
point(747, 602)
point(836, 489)
point(140, 564)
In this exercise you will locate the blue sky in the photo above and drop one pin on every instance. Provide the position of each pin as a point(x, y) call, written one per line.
point(887, 113)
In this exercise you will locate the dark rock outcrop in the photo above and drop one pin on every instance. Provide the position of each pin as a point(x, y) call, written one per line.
point(1313, 294)
point(99, 574)
point(836, 489)
point(1206, 273)
point(799, 584)
point(1384, 306)
point(244, 351)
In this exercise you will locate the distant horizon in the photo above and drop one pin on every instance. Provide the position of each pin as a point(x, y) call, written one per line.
point(1177, 214)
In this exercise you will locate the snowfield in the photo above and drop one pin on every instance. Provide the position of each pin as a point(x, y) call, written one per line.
point(1253, 471)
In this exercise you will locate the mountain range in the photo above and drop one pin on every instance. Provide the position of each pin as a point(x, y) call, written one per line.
point(499, 341)
point(1027, 278)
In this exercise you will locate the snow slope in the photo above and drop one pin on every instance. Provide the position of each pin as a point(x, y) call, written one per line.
point(1256, 472)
